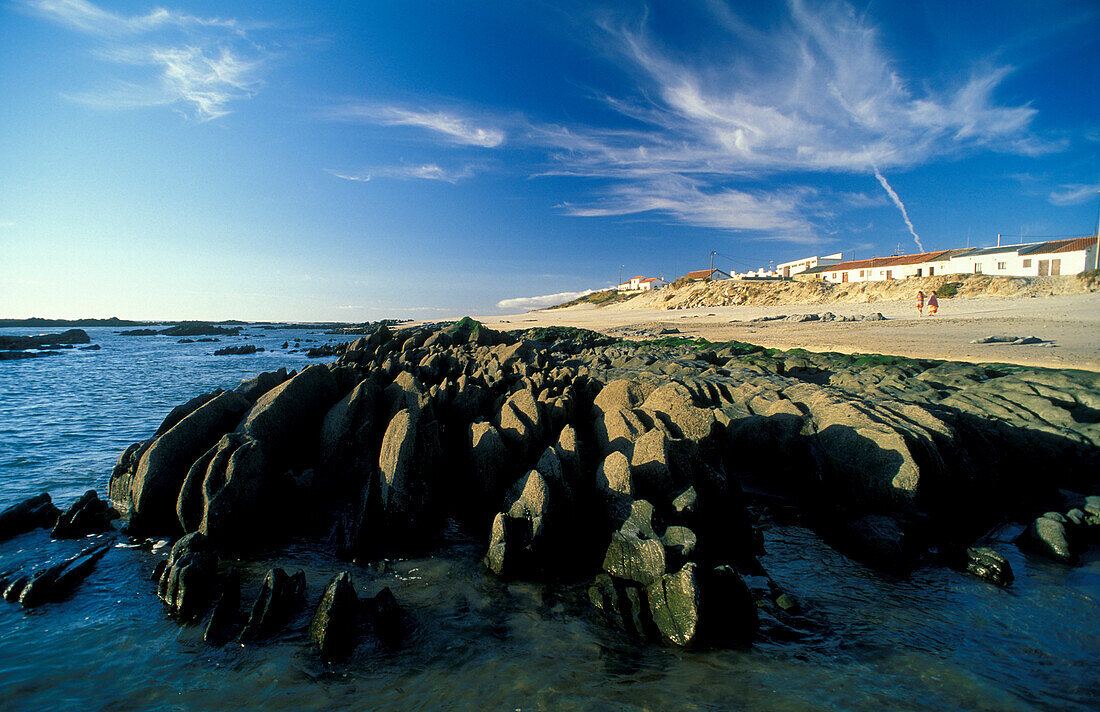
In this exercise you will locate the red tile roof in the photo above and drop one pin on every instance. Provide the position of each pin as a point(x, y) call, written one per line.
point(702, 273)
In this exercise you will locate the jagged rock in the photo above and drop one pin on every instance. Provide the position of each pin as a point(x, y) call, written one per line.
point(38, 511)
point(163, 467)
point(88, 515)
point(349, 428)
point(635, 552)
point(409, 497)
point(518, 532)
point(287, 419)
point(680, 544)
point(15, 588)
point(385, 618)
point(624, 603)
point(879, 541)
point(188, 583)
point(224, 619)
point(489, 464)
point(280, 598)
point(335, 622)
point(255, 387)
point(985, 563)
point(617, 430)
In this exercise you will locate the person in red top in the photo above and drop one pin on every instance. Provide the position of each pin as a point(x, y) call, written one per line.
point(920, 302)
point(933, 305)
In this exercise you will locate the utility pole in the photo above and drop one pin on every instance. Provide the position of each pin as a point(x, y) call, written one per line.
point(998, 239)
point(619, 284)
point(712, 254)
point(1096, 257)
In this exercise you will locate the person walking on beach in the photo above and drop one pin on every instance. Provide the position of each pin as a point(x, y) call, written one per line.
point(933, 305)
point(920, 302)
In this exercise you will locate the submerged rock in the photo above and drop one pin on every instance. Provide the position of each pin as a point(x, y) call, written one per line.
point(280, 597)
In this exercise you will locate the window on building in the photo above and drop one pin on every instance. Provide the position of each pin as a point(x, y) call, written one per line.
point(977, 268)
point(1000, 265)
point(861, 273)
point(1027, 263)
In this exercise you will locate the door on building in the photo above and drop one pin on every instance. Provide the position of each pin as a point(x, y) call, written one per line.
point(920, 272)
point(977, 268)
point(786, 273)
point(889, 274)
point(1056, 267)
point(931, 271)
point(843, 276)
point(1044, 268)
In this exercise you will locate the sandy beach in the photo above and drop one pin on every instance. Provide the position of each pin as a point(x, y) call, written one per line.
point(1069, 325)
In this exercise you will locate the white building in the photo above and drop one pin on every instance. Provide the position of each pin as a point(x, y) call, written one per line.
point(642, 283)
point(1039, 259)
point(790, 269)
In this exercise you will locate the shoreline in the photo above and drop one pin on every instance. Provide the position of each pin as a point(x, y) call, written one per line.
point(1071, 323)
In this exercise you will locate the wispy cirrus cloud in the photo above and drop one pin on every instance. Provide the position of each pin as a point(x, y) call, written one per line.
point(452, 127)
point(423, 171)
point(198, 65)
point(1073, 194)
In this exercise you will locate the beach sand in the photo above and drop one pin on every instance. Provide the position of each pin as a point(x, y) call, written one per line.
point(1069, 324)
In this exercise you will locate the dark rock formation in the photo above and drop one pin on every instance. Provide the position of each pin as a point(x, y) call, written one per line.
point(38, 511)
point(335, 623)
point(43, 341)
point(88, 515)
point(225, 617)
point(243, 350)
point(188, 583)
point(55, 582)
point(280, 597)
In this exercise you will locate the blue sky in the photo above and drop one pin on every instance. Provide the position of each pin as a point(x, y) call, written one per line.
point(352, 161)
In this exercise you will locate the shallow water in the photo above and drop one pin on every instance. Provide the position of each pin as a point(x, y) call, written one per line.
point(937, 640)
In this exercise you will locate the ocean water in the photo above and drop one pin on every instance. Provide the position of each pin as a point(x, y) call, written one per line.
point(935, 640)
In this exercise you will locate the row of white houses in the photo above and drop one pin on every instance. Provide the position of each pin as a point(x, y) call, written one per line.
point(1037, 259)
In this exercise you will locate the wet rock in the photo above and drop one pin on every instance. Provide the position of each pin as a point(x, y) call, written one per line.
point(226, 614)
point(88, 515)
point(55, 582)
point(635, 552)
point(15, 588)
point(38, 511)
point(280, 598)
point(518, 533)
point(335, 622)
point(188, 584)
point(985, 563)
point(680, 544)
point(1047, 535)
point(385, 618)
point(625, 604)
point(243, 350)
point(877, 540)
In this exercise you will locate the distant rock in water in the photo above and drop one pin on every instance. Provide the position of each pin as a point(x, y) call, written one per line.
point(238, 350)
point(38, 511)
point(196, 329)
point(18, 343)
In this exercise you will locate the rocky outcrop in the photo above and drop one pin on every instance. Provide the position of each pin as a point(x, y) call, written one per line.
point(10, 342)
point(639, 468)
point(38, 511)
point(88, 515)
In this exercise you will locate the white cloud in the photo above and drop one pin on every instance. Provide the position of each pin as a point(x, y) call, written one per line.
point(454, 128)
point(199, 65)
point(780, 214)
point(424, 171)
point(822, 95)
point(545, 300)
point(1073, 194)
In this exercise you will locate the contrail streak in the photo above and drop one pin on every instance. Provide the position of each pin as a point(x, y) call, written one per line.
point(901, 206)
